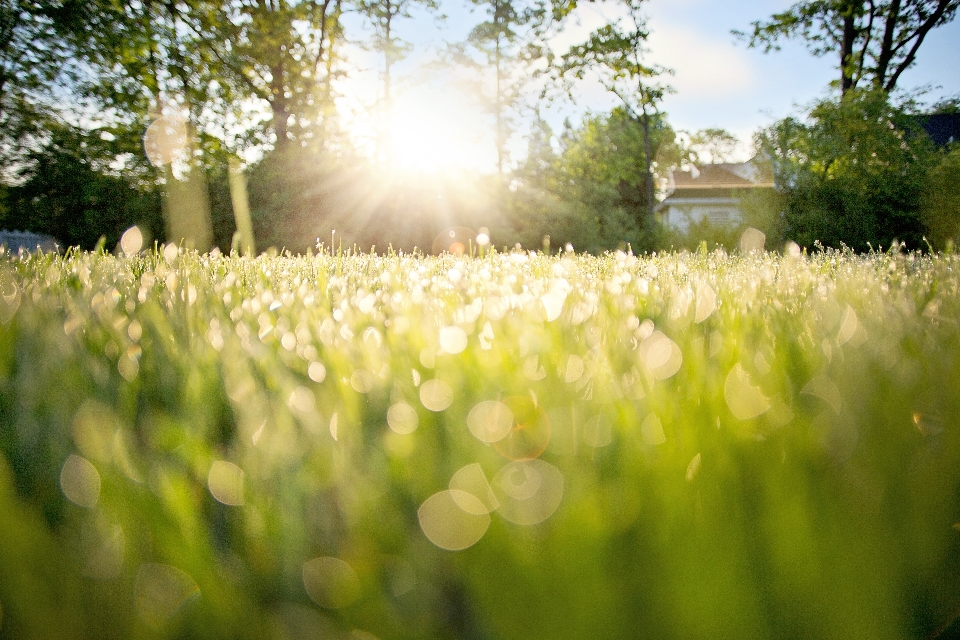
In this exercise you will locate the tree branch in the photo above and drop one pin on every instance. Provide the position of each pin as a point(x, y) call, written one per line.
point(920, 34)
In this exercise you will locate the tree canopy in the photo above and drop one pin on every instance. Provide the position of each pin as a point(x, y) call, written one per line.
point(874, 41)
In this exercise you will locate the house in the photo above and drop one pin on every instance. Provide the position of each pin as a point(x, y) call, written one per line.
point(711, 193)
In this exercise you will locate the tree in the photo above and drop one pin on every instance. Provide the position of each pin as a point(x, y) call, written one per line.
point(614, 54)
point(874, 40)
point(284, 53)
point(497, 40)
point(383, 16)
point(940, 204)
point(712, 145)
point(62, 192)
point(852, 174)
point(593, 192)
point(33, 59)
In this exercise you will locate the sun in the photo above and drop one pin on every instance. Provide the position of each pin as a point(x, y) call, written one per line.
point(434, 131)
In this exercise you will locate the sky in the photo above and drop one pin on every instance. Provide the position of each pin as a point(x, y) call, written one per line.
point(719, 82)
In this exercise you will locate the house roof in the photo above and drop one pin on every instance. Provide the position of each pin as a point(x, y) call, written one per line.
point(710, 176)
point(943, 128)
point(712, 180)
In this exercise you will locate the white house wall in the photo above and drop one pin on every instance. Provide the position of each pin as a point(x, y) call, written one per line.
point(680, 213)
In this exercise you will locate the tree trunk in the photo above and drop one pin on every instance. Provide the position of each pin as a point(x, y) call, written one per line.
point(847, 81)
point(886, 45)
point(279, 106)
point(647, 162)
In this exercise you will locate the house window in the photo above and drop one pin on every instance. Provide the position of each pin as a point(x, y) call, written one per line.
point(719, 216)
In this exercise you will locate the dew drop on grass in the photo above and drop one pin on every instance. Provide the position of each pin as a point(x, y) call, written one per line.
point(693, 468)
point(93, 428)
point(131, 241)
point(552, 305)
point(826, 389)
point(330, 582)
point(225, 481)
point(520, 481)
point(531, 432)
point(402, 418)
point(453, 340)
point(317, 372)
point(302, 399)
point(661, 355)
point(165, 139)
point(706, 303)
point(486, 337)
point(170, 253)
point(436, 395)
point(532, 369)
point(848, 326)
point(752, 241)
point(490, 421)
point(448, 525)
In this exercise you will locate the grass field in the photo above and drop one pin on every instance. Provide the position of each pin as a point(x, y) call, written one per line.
point(506, 446)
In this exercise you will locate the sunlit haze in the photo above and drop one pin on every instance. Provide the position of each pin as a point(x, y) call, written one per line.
point(718, 81)
point(430, 130)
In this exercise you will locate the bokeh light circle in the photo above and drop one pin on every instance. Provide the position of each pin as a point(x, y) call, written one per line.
point(450, 526)
point(529, 492)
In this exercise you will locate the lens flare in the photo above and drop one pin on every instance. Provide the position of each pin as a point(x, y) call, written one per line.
point(530, 432)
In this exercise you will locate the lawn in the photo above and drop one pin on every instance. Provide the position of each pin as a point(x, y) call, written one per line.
point(510, 445)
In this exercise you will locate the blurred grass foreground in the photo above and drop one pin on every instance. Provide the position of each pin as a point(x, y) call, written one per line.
point(506, 446)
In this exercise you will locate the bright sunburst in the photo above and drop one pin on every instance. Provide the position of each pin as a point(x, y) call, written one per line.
point(437, 132)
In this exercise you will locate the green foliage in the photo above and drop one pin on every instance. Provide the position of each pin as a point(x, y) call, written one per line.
point(593, 193)
point(940, 207)
point(852, 175)
point(33, 64)
point(222, 447)
point(65, 194)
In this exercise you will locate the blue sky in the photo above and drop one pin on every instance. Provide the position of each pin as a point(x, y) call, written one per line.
point(719, 82)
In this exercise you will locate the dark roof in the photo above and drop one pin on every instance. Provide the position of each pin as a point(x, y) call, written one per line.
point(943, 128)
point(715, 192)
point(710, 176)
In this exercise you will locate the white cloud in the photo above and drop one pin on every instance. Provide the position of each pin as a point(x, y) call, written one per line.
point(705, 66)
